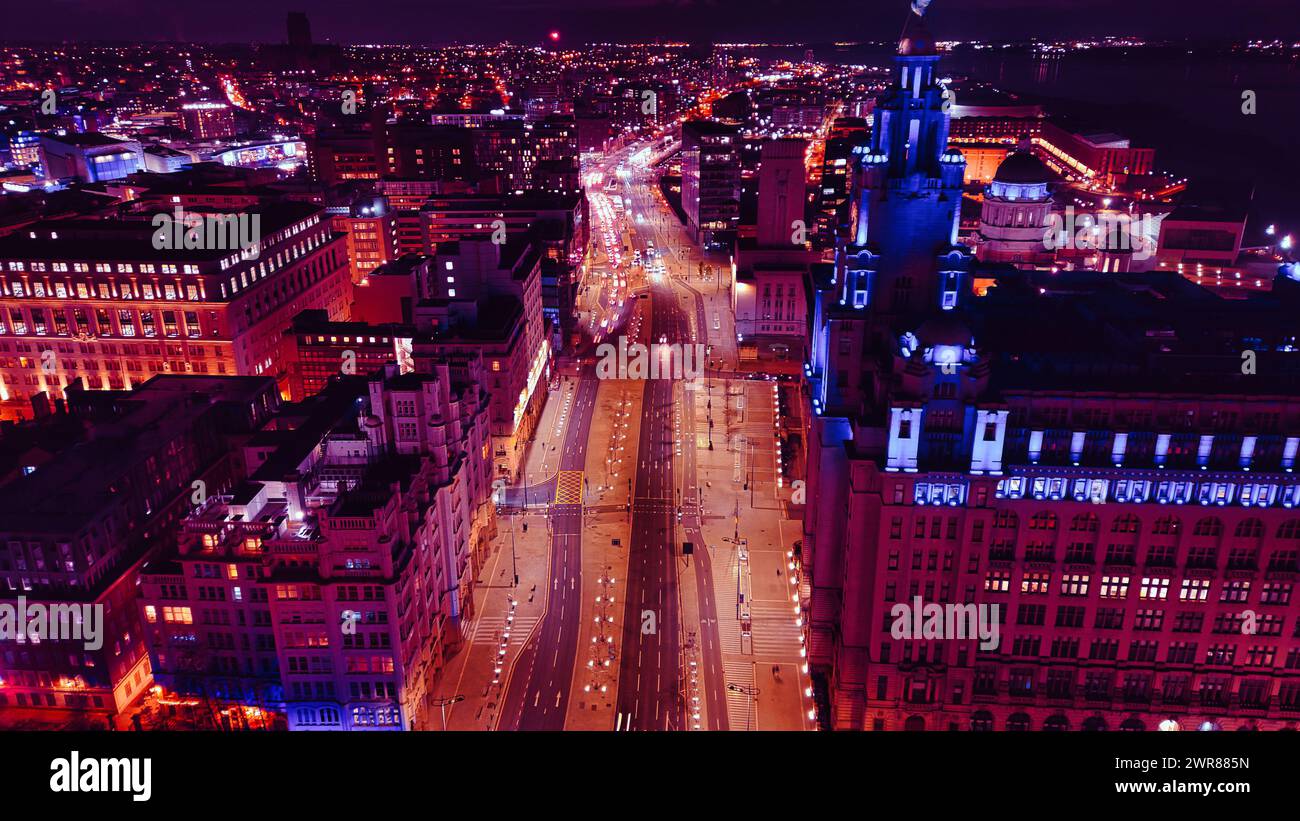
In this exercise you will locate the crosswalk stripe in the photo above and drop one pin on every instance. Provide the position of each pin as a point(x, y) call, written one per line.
point(487, 628)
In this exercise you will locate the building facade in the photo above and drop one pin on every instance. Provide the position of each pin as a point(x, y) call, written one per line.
point(98, 301)
point(334, 581)
point(1080, 460)
point(77, 528)
point(711, 181)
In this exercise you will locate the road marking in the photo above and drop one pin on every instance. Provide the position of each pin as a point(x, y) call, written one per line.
point(568, 489)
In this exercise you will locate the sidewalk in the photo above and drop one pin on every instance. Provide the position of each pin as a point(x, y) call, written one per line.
point(472, 673)
point(540, 456)
point(719, 321)
point(743, 417)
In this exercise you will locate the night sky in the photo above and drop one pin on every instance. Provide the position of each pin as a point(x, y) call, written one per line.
point(438, 21)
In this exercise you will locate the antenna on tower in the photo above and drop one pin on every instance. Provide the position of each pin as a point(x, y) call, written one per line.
point(919, 6)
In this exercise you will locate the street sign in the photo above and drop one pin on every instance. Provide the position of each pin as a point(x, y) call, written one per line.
point(688, 548)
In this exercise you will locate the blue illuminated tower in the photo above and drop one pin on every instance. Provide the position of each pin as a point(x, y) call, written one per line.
point(901, 262)
point(907, 191)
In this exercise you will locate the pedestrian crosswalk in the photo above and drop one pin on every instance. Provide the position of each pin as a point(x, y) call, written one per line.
point(491, 628)
point(740, 687)
point(776, 636)
point(568, 487)
point(724, 594)
point(774, 632)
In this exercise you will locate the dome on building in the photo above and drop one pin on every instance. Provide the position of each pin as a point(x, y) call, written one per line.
point(953, 155)
point(1023, 168)
point(917, 40)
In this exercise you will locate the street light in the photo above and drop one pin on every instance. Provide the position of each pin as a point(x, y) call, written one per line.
point(442, 704)
point(752, 692)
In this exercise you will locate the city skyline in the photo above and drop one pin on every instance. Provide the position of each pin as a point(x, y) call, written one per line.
point(703, 21)
point(648, 388)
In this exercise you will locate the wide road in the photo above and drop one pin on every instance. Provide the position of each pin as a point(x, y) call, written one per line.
point(537, 694)
point(651, 694)
point(661, 226)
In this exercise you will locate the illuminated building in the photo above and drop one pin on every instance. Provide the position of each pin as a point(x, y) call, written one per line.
point(982, 160)
point(504, 147)
point(279, 153)
point(420, 151)
point(1014, 216)
point(1127, 520)
point(88, 157)
point(472, 299)
point(1085, 451)
point(769, 298)
point(556, 223)
point(94, 300)
point(160, 159)
point(1106, 158)
point(77, 528)
point(849, 136)
point(342, 153)
point(325, 351)
point(25, 149)
point(556, 137)
point(557, 177)
point(209, 120)
point(791, 110)
point(1004, 132)
point(711, 181)
point(367, 223)
point(482, 298)
point(334, 580)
